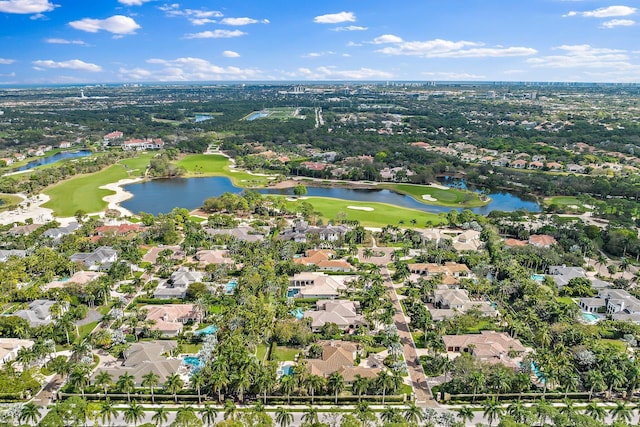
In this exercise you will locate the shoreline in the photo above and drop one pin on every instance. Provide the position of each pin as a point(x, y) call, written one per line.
point(114, 200)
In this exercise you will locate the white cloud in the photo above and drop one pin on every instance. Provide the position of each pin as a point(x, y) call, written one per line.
point(453, 76)
point(117, 24)
point(354, 44)
point(605, 12)
point(238, 21)
point(318, 54)
point(5, 61)
point(351, 28)
point(335, 18)
point(439, 48)
point(133, 2)
point(187, 69)
point(195, 16)
point(387, 38)
point(73, 64)
point(64, 41)
point(230, 54)
point(583, 56)
point(215, 34)
point(617, 23)
point(26, 6)
point(331, 73)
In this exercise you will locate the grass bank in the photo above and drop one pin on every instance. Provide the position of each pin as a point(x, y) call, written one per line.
point(217, 165)
point(376, 215)
point(9, 201)
point(451, 197)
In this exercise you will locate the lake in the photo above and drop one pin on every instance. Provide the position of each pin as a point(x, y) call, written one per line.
point(162, 195)
point(52, 159)
point(202, 118)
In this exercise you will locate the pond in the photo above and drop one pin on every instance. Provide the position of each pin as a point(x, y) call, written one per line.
point(202, 118)
point(162, 195)
point(52, 159)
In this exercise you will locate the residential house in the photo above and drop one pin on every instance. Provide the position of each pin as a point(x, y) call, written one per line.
point(5, 254)
point(79, 277)
point(468, 240)
point(301, 230)
point(536, 165)
point(100, 259)
point(621, 305)
point(562, 274)
point(452, 269)
point(143, 358)
point(342, 313)
point(176, 286)
point(501, 162)
point(575, 168)
point(177, 254)
point(488, 346)
point(143, 144)
point(118, 230)
point(514, 243)
point(592, 305)
point(321, 258)
point(542, 240)
point(519, 164)
point(212, 256)
point(23, 230)
point(450, 301)
point(554, 166)
point(65, 144)
point(9, 348)
point(58, 232)
point(246, 234)
point(7, 161)
point(339, 356)
point(112, 136)
point(38, 312)
point(170, 318)
point(317, 285)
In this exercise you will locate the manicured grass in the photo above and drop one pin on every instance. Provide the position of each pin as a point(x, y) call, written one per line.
point(137, 166)
point(563, 201)
point(216, 165)
point(191, 348)
point(9, 201)
point(284, 353)
point(85, 330)
point(566, 300)
point(451, 197)
point(261, 351)
point(382, 214)
point(615, 343)
point(82, 192)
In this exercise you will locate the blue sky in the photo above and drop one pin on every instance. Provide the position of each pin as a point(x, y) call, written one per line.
point(93, 41)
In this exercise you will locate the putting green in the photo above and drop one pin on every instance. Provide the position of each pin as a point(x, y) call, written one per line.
point(451, 197)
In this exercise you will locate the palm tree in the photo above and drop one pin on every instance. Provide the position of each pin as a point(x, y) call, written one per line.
point(384, 382)
point(30, 413)
point(310, 416)
point(218, 380)
point(151, 380)
point(107, 411)
point(209, 414)
point(621, 412)
point(242, 381)
point(133, 413)
point(390, 415)
point(186, 413)
point(413, 414)
point(79, 378)
point(126, 383)
point(313, 384)
point(492, 410)
point(336, 384)
point(518, 411)
point(196, 382)
point(266, 380)
point(595, 411)
point(543, 410)
point(359, 386)
point(103, 379)
point(465, 414)
point(287, 385)
point(230, 410)
point(595, 381)
point(160, 416)
point(173, 385)
point(364, 414)
point(284, 418)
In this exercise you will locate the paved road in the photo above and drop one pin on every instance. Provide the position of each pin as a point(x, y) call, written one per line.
point(424, 398)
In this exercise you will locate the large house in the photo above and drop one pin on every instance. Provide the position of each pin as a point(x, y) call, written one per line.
point(449, 302)
point(301, 231)
point(170, 318)
point(322, 259)
point(9, 348)
point(58, 232)
point(143, 144)
point(176, 286)
point(488, 346)
point(100, 259)
point(342, 313)
point(317, 285)
point(142, 358)
point(451, 269)
point(339, 356)
point(246, 234)
point(38, 313)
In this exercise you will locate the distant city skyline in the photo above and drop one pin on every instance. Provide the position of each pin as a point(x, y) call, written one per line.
point(130, 41)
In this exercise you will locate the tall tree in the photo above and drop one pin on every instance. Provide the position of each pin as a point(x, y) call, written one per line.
point(173, 384)
point(336, 384)
point(133, 413)
point(151, 381)
point(107, 411)
point(126, 384)
point(284, 418)
point(30, 413)
point(160, 416)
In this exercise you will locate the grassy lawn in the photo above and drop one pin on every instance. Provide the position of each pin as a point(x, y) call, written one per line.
point(261, 351)
point(85, 330)
point(284, 353)
point(137, 166)
point(82, 192)
point(615, 343)
point(191, 348)
point(566, 300)
point(382, 214)
point(563, 201)
point(9, 201)
point(451, 197)
point(216, 165)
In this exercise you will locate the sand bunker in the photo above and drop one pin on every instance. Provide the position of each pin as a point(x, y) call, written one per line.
point(438, 186)
point(429, 198)
point(360, 208)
